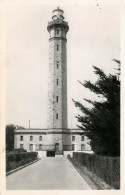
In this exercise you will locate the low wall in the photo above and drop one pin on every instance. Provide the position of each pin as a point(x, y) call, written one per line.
point(86, 151)
point(106, 168)
point(41, 154)
point(66, 153)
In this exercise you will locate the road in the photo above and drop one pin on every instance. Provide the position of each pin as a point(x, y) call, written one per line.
point(47, 174)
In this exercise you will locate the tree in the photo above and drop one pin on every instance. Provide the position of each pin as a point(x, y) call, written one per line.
point(10, 137)
point(101, 122)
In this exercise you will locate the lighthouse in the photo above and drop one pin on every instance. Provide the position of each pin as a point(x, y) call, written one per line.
point(57, 139)
point(57, 84)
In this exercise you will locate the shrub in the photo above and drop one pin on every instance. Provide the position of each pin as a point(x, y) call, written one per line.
point(106, 168)
point(17, 150)
point(15, 160)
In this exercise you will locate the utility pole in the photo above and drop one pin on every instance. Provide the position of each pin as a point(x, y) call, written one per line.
point(29, 124)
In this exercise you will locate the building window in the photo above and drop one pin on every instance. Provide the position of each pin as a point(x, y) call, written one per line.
point(56, 116)
point(57, 31)
point(57, 65)
point(40, 146)
point(73, 138)
point(40, 138)
point(31, 147)
point(21, 146)
point(82, 138)
point(57, 81)
point(31, 138)
point(57, 98)
point(21, 138)
point(57, 47)
point(82, 147)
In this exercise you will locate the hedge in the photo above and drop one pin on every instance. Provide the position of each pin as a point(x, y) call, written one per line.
point(105, 167)
point(15, 160)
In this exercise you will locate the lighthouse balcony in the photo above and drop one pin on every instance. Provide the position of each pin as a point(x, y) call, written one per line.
point(57, 23)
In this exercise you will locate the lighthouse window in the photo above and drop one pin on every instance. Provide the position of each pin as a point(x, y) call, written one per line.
point(57, 32)
point(40, 138)
point(57, 98)
point(21, 138)
point(57, 81)
point(73, 138)
point(57, 65)
point(56, 116)
point(57, 47)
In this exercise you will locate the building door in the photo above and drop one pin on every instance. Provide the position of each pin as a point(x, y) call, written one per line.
point(21, 146)
point(73, 147)
point(56, 147)
point(31, 147)
point(82, 147)
point(40, 146)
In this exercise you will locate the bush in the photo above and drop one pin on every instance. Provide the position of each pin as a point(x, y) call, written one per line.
point(17, 150)
point(106, 168)
point(15, 160)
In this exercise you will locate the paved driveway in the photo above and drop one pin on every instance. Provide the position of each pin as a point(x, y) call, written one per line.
point(47, 174)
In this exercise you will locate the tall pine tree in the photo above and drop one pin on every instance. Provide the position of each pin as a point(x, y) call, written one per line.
point(101, 122)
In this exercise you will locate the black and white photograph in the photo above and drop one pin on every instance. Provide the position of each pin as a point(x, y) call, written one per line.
point(62, 87)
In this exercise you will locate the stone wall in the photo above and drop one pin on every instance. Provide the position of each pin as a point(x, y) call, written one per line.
point(57, 85)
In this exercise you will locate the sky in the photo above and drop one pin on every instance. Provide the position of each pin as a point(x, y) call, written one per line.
point(93, 39)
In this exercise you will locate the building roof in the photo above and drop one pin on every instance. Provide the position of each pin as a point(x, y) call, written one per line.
point(58, 9)
point(45, 131)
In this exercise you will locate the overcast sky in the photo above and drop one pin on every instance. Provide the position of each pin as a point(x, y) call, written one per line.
point(93, 39)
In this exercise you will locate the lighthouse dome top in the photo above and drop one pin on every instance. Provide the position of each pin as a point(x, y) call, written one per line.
point(58, 14)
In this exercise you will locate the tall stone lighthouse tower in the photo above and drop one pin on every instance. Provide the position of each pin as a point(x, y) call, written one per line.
point(57, 86)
